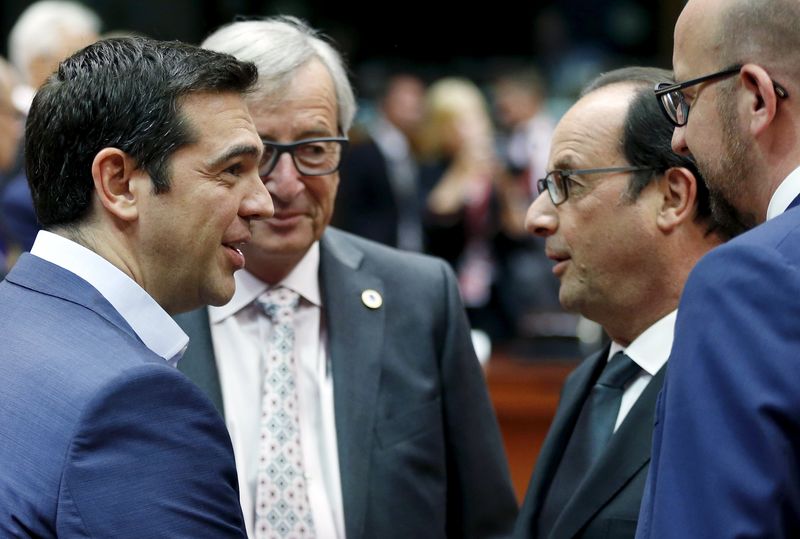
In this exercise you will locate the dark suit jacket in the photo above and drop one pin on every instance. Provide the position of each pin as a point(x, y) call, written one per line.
point(99, 437)
point(366, 204)
point(606, 505)
point(419, 447)
point(726, 445)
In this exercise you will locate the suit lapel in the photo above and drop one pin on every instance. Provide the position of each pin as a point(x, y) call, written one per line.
point(794, 203)
point(199, 363)
point(627, 452)
point(47, 278)
point(573, 396)
point(355, 339)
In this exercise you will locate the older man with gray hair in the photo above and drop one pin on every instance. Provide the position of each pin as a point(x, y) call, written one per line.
point(44, 34)
point(344, 368)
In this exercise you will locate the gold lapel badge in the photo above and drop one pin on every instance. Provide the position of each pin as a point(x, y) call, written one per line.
point(371, 298)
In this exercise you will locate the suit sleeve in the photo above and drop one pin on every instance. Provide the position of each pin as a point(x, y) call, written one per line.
point(481, 502)
point(727, 438)
point(150, 458)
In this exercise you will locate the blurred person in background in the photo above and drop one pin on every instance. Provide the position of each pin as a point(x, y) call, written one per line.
point(379, 197)
point(45, 33)
point(11, 126)
point(519, 99)
point(526, 288)
point(344, 368)
point(458, 179)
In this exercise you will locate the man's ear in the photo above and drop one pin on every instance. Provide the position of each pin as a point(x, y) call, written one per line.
point(678, 188)
point(113, 174)
point(761, 99)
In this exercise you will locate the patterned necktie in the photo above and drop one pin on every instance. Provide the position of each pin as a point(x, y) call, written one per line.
point(282, 508)
point(589, 438)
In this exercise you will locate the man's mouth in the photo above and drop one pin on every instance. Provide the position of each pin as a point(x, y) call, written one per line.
point(235, 255)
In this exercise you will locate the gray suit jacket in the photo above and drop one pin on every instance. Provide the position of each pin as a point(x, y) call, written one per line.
point(419, 447)
point(606, 505)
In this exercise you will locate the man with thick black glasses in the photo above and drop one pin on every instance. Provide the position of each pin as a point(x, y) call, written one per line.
point(344, 369)
point(624, 219)
point(726, 448)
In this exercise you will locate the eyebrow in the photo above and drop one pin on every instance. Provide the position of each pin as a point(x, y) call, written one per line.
point(236, 151)
point(564, 164)
point(319, 132)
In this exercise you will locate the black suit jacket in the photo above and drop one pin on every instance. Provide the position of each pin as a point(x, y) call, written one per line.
point(366, 204)
point(606, 504)
point(420, 452)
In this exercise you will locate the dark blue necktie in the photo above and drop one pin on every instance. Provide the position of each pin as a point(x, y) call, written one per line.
point(589, 438)
point(794, 203)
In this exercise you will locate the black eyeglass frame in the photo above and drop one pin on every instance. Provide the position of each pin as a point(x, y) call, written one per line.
point(663, 89)
point(549, 180)
point(281, 149)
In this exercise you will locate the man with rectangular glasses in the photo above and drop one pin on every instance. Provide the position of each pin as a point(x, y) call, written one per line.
point(624, 219)
point(726, 448)
point(344, 369)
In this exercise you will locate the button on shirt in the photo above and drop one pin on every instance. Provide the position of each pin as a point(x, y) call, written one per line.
point(650, 351)
point(240, 332)
point(157, 330)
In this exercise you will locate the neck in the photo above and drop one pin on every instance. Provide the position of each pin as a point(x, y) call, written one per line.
point(271, 269)
point(625, 331)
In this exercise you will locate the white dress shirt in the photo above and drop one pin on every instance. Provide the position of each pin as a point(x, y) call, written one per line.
point(650, 351)
point(240, 332)
point(157, 330)
point(786, 192)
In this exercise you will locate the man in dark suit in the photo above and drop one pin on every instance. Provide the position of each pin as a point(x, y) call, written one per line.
point(143, 165)
point(381, 197)
point(344, 368)
point(625, 220)
point(726, 447)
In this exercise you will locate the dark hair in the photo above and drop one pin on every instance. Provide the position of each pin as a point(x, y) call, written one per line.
point(123, 93)
point(647, 135)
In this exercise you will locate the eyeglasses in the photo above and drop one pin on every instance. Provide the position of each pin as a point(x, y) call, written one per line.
point(556, 181)
point(673, 102)
point(311, 157)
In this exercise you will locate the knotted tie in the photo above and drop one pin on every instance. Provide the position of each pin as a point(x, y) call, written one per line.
point(590, 436)
point(282, 508)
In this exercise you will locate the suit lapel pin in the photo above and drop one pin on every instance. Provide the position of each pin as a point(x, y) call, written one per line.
point(371, 298)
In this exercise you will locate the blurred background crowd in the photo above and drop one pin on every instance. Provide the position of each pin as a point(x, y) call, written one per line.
point(456, 109)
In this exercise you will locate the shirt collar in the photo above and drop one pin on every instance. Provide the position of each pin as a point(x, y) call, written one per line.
point(650, 350)
point(786, 192)
point(303, 279)
point(157, 330)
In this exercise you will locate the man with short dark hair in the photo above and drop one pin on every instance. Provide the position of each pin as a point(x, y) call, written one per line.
point(143, 165)
point(344, 368)
point(625, 219)
point(726, 448)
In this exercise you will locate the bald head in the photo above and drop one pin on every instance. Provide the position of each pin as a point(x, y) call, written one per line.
point(741, 127)
point(742, 31)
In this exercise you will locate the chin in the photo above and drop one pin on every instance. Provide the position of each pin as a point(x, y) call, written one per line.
point(220, 294)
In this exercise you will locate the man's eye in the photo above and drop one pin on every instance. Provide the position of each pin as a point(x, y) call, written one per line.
point(312, 150)
point(234, 169)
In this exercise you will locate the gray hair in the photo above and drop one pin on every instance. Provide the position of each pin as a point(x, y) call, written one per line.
point(279, 46)
point(40, 29)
